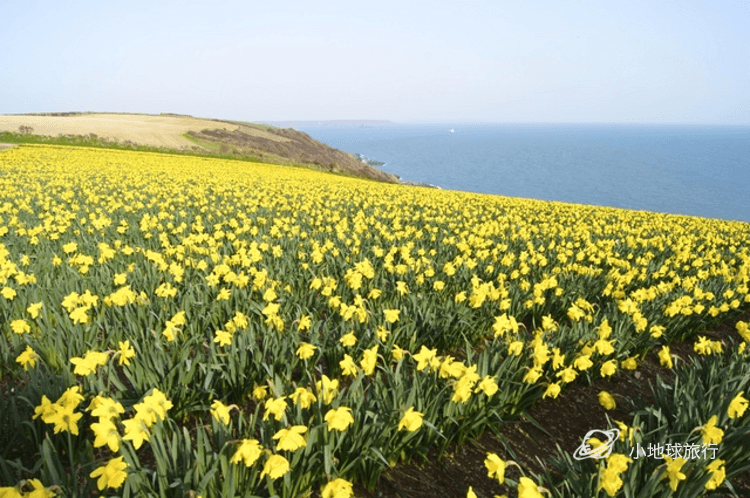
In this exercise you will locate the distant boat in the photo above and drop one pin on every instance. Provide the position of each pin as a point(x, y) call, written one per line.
point(453, 131)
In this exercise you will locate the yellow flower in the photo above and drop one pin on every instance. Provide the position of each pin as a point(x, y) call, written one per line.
point(276, 466)
point(737, 406)
point(391, 315)
point(338, 488)
point(348, 340)
point(374, 294)
point(348, 367)
point(136, 430)
point(306, 350)
point(603, 347)
point(532, 375)
point(515, 348)
point(397, 352)
point(503, 324)
point(411, 420)
point(629, 364)
point(657, 331)
point(470, 493)
point(462, 389)
point(552, 390)
point(112, 475)
point(528, 489)
point(718, 474)
point(126, 352)
point(495, 467)
point(710, 433)
point(583, 362)
point(153, 407)
point(105, 433)
point(87, 365)
point(223, 338)
point(339, 418)
point(605, 330)
point(220, 412)
point(20, 327)
point(69, 248)
point(665, 357)
point(382, 333)
point(610, 480)
point(608, 368)
point(247, 452)
point(291, 439)
point(275, 407)
point(27, 358)
point(33, 310)
point(304, 323)
point(703, 346)
point(402, 288)
point(424, 357)
point(487, 385)
point(567, 375)
point(743, 328)
point(673, 471)
point(64, 419)
point(79, 315)
point(224, 295)
point(303, 397)
point(120, 278)
point(105, 408)
point(606, 400)
point(369, 360)
point(260, 392)
point(8, 293)
point(327, 388)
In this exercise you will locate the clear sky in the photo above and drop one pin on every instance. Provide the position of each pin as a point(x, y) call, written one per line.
point(654, 61)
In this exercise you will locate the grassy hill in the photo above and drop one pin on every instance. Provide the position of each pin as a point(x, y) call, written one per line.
point(187, 135)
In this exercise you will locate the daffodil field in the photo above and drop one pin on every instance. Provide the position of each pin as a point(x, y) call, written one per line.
point(181, 326)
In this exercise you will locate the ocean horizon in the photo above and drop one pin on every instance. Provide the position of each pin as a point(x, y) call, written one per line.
point(696, 170)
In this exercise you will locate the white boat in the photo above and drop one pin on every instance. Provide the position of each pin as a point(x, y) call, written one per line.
point(453, 131)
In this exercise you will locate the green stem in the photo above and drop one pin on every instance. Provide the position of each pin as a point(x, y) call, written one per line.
point(72, 464)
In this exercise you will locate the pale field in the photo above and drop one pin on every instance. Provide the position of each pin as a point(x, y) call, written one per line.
point(158, 131)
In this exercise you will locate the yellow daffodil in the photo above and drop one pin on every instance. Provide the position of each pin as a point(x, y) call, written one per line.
point(495, 467)
point(112, 475)
point(411, 420)
point(338, 488)
point(606, 400)
point(291, 439)
point(339, 419)
point(737, 406)
point(248, 452)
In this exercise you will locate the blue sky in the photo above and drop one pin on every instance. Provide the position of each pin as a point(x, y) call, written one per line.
point(406, 61)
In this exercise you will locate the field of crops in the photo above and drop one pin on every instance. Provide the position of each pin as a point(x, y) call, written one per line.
point(182, 326)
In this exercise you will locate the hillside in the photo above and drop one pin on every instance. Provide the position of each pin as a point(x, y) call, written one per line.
point(195, 135)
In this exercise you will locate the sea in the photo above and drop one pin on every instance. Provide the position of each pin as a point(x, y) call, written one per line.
point(681, 169)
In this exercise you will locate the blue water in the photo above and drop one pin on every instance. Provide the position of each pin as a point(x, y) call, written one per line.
point(695, 170)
